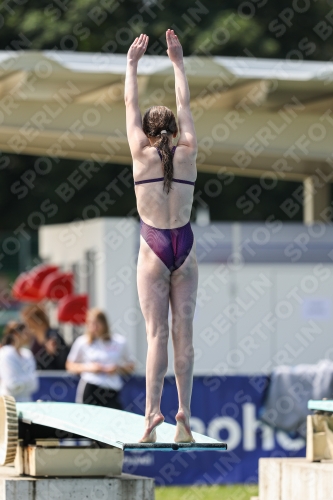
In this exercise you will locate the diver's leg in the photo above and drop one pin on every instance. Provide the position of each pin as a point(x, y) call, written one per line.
point(153, 280)
point(183, 292)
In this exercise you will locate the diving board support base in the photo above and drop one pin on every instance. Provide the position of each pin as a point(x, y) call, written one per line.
point(295, 479)
point(124, 487)
point(37, 461)
point(319, 431)
point(319, 437)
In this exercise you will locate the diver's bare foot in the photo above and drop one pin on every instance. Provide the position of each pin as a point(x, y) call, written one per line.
point(183, 430)
point(150, 432)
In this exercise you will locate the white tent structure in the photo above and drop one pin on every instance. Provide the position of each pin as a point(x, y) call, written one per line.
point(270, 119)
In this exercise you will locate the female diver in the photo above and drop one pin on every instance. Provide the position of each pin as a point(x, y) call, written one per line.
point(167, 269)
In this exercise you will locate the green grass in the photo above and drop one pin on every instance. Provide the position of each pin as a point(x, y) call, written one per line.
point(235, 492)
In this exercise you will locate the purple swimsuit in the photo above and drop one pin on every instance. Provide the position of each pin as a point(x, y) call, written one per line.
point(172, 246)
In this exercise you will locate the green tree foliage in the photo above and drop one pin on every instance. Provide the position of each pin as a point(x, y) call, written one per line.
point(292, 29)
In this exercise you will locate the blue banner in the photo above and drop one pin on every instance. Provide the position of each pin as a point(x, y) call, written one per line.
point(225, 408)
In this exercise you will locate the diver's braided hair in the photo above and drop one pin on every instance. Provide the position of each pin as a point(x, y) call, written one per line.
point(159, 121)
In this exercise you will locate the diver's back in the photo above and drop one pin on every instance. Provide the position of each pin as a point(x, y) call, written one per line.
point(156, 207)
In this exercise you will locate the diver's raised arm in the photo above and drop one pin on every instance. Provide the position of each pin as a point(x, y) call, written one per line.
point(184, 115)
point(136, 138)
point(135, 52)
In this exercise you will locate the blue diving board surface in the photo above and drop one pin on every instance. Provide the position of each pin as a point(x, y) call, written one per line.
point(321, 404)
point(117, 428)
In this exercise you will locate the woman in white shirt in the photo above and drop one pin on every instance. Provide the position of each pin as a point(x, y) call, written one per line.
point(101, 359)
point(17, 364)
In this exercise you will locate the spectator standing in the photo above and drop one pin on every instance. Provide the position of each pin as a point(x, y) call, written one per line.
point(100, 359)
point(17, 364)
point(48, 346)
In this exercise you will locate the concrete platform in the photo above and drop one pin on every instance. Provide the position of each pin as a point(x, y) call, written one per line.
point(295, 479)
point(124, 487)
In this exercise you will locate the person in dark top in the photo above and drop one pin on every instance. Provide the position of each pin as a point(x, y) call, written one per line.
point(48, 346)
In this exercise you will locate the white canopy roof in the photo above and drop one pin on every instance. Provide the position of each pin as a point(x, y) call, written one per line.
point(97, 62)
point(250, 114)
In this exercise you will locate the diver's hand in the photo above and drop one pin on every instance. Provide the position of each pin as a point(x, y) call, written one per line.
point(138, 48)
point(175, 50)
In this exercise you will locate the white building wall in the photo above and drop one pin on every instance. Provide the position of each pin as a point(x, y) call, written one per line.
point(120, 298)
point(249, 317)
point(114, 242)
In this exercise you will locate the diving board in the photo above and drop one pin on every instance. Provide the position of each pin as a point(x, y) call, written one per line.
point(117, 428)
point(321, 405)
point(47, 439)
point(38, 459)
